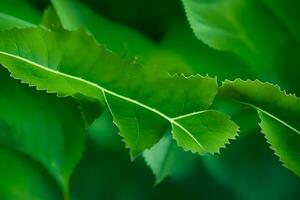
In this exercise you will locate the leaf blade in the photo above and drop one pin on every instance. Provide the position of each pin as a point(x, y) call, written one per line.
point(56, 66)
point(25, 178)
point(117, 37)
point(279, 114)
point(42, 127)
point(284, 142)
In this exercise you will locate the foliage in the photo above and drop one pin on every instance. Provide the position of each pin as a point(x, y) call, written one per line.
point(78, 74)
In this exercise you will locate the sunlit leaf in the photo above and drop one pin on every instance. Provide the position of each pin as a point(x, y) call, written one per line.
point(142, 101)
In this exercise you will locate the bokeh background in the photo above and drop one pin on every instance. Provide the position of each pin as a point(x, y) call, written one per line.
point(246, 170)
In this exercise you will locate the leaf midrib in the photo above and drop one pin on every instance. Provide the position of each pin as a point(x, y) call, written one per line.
point(104, 90)
point(272, 116)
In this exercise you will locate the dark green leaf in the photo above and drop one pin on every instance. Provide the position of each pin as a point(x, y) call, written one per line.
point(287, 11)
point(42, 126)
point(21, 9)
point(23, 178)
point(9, 22)
point(279, 114)
point(250, 30)
point(116, 37)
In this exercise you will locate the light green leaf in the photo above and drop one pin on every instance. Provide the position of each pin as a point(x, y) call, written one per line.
point(284, 141)
point(116, 37)
point(47, 128)
point(161, 158)
point(166, 159)
point(205, 130)
point(143, 101)
point(279, 114)
point(23, 178)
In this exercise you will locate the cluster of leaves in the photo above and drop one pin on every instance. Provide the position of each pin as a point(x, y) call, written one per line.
point(71, 70)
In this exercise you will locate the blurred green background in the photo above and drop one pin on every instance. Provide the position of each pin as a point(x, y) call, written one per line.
point(246, 170)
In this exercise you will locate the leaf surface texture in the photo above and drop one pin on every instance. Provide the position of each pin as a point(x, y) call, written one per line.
point(143, 102)
point(279, 114)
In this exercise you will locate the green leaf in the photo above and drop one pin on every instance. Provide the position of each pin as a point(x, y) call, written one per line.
point(89, 107)
point(143, 102)
point(284, 141)
point(287, 11)
point(161, 158)
point(103, 133)
point(9, 22)
point(266, 45)
point(279, 114)
point(171, 63)
point(9, 19)
point(250, 170)
point(23, 178)
point(21, 9)
point(150, 17)
point(166, 159)
point(42, 126)
point(51, 20)
point(116, 37)
point(207, 128)
point(201, 58)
